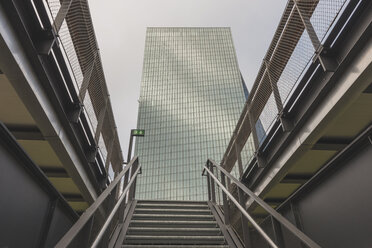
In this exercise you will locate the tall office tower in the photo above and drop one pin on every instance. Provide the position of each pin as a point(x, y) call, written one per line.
point(191, 98)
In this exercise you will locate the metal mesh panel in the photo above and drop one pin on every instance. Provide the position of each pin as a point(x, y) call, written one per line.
point(69, 49)
point(303, 27)
point(88, 106)
point(324, 15)
point(54, 6)
point(78, 41)
point(102, 147)
point(269, 113)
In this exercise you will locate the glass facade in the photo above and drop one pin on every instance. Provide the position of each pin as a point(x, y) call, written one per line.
point(190, 101)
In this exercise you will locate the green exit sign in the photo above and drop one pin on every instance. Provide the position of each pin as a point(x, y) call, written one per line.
point(138, 132)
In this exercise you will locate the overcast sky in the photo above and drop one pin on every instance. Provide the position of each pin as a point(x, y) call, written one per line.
point(120, 27)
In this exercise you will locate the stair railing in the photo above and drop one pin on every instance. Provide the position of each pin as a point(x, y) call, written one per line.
point(99, 221)
point(243, 192)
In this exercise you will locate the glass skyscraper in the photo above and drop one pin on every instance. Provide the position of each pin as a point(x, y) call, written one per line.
point(191, 98)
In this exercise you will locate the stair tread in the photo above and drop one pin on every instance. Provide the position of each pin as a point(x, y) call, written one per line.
point(200, 206)
point(156, 237)
point(173, 246)
point(174, 221)
point(176, 228)
point(173, 210)
point(174, 231)
point(175, 215)
point(173, 224)
point(173, 202)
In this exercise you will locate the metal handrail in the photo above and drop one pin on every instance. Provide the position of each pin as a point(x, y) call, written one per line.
point(114, 210)
point(272, 91)
point(88, 214)
point(282, 220)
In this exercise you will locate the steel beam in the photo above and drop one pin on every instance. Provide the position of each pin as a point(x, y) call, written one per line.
point(20, 72)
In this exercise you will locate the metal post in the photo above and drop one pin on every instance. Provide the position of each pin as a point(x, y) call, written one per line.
point(253, 131)
point(239, 158)
point(209, 184)
point(244, 221)
point(86, 78)
point(61, 15)
point(132, 187)
point(135, 184)
point(130, 146)
point(226, 208)
point(274, 88)
point(90, 226)
point(327, 64)
point(277, 230)
point(109, 152)
point(121, 187)
point(308, 26)
point(100, 120)
point(260, 161)
point(228, 183)
point(213, 191)
point(286, 125)
point(126, 180)
point(297, 219)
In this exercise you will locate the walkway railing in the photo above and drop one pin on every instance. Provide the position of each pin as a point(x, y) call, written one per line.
point(73, 28)
point(224, 183)
point(298, 44)
point(99, 221)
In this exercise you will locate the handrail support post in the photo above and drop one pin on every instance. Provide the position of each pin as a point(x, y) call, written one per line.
point(213, 189)
point(244, 221)
point(277, 230)
point(226, 207)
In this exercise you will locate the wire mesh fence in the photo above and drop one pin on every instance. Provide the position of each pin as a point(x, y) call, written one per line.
point(297, 42)
point(78, 42)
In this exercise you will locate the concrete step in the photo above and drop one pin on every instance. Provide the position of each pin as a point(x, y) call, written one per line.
point(170, 206)
point(170, 231)
point(174, 246)
point(172, 217)
point(173, 202)
point(149, 239)
point(172, 211)
point(174, 223)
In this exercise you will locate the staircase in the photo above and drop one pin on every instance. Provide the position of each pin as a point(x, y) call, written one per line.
point(173, 224)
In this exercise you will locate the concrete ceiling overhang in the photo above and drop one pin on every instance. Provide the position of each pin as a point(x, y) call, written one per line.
point(14, 114)
point(332, 139)
point(340, 118)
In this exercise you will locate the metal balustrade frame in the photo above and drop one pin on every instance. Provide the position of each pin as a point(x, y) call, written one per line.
point(120, 197)
point(271, 94)
point(97, 145)
point(226, 180)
